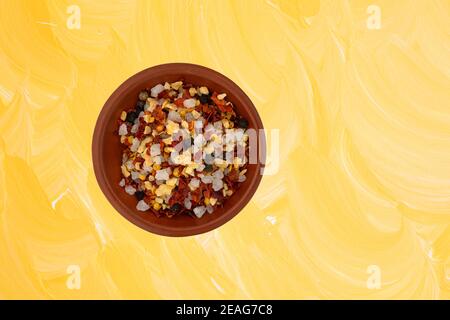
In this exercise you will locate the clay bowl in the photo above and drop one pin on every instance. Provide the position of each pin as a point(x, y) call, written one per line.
point(107, 150)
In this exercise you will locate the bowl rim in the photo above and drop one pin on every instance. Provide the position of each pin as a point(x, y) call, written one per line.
point(121, 208)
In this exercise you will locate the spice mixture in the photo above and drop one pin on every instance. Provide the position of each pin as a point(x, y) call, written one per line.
point(185, 149)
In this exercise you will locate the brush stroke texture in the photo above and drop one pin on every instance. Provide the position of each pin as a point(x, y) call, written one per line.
point(364, 119)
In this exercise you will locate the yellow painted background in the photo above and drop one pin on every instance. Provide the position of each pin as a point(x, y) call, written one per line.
point(364, 178)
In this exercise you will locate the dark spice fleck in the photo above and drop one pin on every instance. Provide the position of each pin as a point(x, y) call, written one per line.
point(131, 116)
point(208, 168)
point(139, 195)
point(175, 208)
point(242, 123)
point(140, 106)
point(204, 98)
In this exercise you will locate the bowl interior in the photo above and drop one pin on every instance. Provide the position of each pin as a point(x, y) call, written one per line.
point(107, 150)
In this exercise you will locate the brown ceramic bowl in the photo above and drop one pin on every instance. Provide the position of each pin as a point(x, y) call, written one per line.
point(107, 150)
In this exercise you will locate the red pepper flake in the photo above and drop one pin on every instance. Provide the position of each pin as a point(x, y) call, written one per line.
point(179, 102)
point(164, 95)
